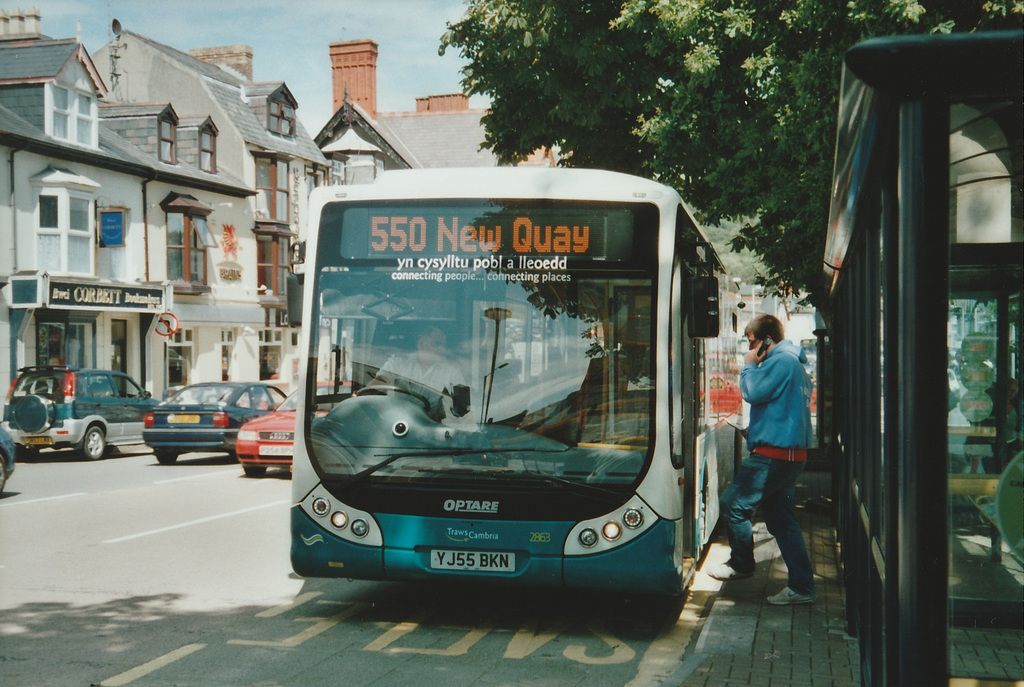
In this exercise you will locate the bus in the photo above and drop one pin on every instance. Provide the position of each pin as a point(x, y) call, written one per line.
point(505, 381)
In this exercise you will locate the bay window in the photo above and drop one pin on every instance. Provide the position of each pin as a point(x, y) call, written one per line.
point(65, 224)
point(188, 237)
point(272, 263)
point(272, 187)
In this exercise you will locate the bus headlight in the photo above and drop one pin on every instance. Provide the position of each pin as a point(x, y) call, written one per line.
point(339, 519)
point(588, 537)
point(321, 506)
point(632, 518)
point(611, 530)
point(360, 528)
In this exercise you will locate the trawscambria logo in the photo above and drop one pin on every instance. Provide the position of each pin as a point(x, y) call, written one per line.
point(460, 506)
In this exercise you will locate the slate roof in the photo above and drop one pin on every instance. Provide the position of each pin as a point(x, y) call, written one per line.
point(132, 109)
point(114, 153)
point(23, 61)
point(229, 92)
point(263, 89)
point(442, 139)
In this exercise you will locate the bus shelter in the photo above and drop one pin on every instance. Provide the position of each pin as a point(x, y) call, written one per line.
point(924, 257)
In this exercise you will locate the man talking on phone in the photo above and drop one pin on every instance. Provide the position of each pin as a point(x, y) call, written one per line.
point(778, 389)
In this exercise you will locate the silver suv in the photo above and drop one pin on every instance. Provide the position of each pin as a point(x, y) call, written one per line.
point(65, 407)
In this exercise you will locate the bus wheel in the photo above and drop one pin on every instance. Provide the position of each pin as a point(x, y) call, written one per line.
point(94, 443)
point(166, 457)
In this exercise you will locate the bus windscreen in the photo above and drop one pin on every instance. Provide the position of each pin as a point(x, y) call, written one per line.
point(484, 338)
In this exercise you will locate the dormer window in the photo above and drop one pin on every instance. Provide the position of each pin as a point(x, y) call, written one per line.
point(72, 116)
point(208, 149)
point(167, 130)
point(282, 118)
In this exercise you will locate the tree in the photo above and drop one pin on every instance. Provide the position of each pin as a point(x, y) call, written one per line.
point(732, 102)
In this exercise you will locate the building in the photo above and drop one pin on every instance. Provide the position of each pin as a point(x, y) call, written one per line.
point(92, 216)
point(208, 108)
point(361, 142)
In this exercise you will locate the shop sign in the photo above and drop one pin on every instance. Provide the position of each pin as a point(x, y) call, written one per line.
point(77, 296)
point(229, 271)
point(111, 228)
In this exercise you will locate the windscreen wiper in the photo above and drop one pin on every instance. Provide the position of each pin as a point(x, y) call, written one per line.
point(366, 472)
point(582, 487)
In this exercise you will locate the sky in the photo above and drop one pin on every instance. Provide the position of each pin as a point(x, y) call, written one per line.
point(288, 44)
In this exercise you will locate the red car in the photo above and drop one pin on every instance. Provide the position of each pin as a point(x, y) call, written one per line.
point(267, 440)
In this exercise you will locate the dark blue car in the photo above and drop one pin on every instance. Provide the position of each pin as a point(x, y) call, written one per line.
point(6, 458)
point(206, 417)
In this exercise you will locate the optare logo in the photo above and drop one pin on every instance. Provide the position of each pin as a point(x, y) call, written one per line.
point(461, 506)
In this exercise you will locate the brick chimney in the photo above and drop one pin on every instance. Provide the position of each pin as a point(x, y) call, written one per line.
point(354, 64)
point(233, 58)
point(454, 102)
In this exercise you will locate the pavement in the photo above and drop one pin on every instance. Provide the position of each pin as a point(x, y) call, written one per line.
point(743, 640)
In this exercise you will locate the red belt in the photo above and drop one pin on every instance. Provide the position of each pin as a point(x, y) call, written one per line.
point(792, 455)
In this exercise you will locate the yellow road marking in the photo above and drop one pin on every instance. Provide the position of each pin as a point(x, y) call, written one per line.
point(320, 625)
point(621, 652)
point(284, 608)
point(665, 653)
point(147, 668)
point(526, 640)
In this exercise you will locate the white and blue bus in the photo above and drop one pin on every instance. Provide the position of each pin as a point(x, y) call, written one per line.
point(506, 381)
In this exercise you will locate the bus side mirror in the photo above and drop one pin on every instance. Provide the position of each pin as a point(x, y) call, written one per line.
point(703, 307)
point(293, 296)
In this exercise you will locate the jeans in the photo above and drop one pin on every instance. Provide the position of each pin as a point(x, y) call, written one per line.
point(771, 484)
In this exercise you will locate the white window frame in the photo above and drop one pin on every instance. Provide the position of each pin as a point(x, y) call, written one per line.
point(65, 232)
point(81, 115)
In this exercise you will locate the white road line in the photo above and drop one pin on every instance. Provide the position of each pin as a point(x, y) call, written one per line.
point(46, 498)
point(274, 504)
point(201, 475)
point(147, 668)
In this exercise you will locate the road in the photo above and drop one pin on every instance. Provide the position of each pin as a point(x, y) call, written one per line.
point(126, 572)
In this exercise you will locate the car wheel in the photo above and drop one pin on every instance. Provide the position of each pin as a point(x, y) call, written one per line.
point(254, 470)
point(3, 472)
point(166, 457)
point(94, 443)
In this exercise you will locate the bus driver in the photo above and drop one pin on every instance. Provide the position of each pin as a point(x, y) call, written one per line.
point(427, 370)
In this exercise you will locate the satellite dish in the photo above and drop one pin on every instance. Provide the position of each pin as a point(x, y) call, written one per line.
point(115, 26)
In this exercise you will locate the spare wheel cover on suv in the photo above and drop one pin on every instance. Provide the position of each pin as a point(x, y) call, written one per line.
point(33, 414)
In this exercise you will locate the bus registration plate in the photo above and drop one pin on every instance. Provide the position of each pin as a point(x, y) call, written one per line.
point(487, 561)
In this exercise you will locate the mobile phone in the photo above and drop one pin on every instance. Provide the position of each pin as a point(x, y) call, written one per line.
point(764, 346)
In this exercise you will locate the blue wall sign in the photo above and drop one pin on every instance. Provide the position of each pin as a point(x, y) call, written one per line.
point(111, 227)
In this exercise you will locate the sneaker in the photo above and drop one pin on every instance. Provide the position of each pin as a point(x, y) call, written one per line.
point(724, 572)
point(787, 597)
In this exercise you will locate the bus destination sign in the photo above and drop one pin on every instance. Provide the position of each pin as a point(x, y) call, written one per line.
point(478, 231)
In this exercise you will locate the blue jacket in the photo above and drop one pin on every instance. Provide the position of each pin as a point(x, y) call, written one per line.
point(779, 393)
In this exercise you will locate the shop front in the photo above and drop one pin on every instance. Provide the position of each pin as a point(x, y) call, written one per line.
point(86, 324)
